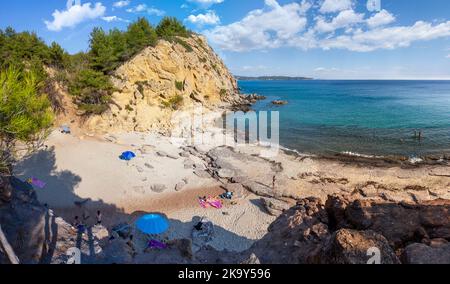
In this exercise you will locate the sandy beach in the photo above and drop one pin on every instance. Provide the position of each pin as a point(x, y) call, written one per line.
point(168, 178)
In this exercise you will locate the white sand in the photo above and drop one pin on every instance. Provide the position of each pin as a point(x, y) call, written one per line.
point(77, 168)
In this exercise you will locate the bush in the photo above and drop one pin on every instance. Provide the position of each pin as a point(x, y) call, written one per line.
point(223, 92)
point(183, 44)
point(24, 113)
point(179, 85)
point(175, 102)
point(129, 108)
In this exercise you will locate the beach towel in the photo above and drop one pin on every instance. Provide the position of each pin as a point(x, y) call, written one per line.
point(154, 244)
point(36, 182)
point(210, 202)
point(127, 156)
point(203, 203)
point(214, 203)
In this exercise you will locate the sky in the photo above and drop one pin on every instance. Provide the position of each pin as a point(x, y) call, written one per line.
point(322, 39)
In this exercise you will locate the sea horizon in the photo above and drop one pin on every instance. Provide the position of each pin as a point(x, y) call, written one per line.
point(321, 79)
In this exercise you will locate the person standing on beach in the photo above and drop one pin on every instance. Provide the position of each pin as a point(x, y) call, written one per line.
point(99, 218)
point(76, 222)
point(274, 182)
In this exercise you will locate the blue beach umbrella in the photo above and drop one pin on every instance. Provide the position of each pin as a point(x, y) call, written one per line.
point(127, 156)
point(152, 224)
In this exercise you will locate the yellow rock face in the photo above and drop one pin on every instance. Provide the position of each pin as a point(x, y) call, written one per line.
point(160, 80)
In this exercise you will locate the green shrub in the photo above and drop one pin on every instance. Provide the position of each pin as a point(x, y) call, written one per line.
point(223, 92)
point(25, 114)
point(129, 108)
point(179, 85)
point(183, 44)
point(175, 102)
point(140, 87)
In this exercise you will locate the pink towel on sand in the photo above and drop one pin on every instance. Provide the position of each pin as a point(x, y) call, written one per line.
point(215, 203)
point(210, 202)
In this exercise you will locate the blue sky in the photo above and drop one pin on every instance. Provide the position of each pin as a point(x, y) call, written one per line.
point(327, 39)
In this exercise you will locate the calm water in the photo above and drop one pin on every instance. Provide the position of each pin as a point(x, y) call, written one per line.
point(365, 117)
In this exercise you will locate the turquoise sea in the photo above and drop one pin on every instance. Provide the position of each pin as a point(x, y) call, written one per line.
point(361, 117)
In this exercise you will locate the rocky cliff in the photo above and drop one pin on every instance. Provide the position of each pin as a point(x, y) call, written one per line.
point(160, 80)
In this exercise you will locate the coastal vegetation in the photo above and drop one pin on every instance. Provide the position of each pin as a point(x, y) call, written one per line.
point(175, 102)
point(87, 74)
point(30, 68)
point(25, 113)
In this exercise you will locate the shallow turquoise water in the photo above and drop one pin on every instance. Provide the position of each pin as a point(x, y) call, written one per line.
point(365, 117)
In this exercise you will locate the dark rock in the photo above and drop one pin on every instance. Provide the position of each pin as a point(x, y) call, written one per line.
point(226, 173)
point(274, 207)
point(354, 247)
point(280, 103)
point(423, 254)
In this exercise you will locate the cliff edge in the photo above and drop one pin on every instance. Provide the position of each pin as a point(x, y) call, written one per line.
point(172, 76)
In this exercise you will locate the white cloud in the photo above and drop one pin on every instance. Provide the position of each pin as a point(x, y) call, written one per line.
point(448, 56)
point(330, 6)
point(121, 4)
point(343, 20)
point(262, 28)
point(380, 19)
point(325, 70)
point(207, 3)
point(143, 8)
point(110, 19)
point(75, 15)
point(267, 28)
point(389, 37)
point(210, 18)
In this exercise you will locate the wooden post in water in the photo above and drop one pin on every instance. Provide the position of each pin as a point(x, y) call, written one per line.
point(7, 248)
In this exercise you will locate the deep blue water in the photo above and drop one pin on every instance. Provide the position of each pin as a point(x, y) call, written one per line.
point(365, 117)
